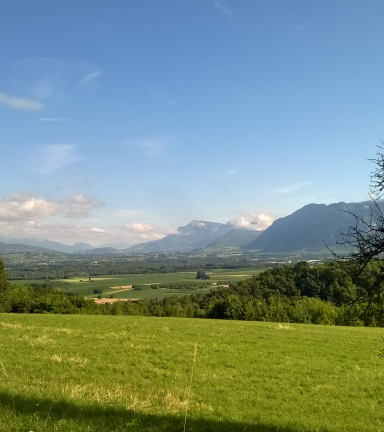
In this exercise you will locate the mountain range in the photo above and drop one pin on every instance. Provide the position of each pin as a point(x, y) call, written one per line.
point(311, 228)
point(6, 248)
point(195, 235)
point(33, 245)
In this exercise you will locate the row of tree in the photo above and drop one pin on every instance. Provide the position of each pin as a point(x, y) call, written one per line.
point(301, 294)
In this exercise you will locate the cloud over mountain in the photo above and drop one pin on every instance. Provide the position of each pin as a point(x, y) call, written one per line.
point(257, 220)
point(142, 231)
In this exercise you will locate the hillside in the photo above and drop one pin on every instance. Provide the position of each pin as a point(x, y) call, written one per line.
point(236, 238)
point(6, 248)
point(100, 373)
point(195, 235)
point(99, 251)
point(312, 227)
point(52, 246)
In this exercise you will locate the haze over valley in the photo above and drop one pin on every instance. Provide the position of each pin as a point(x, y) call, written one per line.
point(315, 227)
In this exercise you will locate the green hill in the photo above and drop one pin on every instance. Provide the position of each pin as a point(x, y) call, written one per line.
point(83, 373)
point(236, 238)
point(312, 227)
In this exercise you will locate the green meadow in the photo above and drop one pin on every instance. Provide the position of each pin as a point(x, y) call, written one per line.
point(82, 286)
point(83, 373)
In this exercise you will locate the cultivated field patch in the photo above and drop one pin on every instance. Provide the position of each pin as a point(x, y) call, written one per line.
point(145, 280)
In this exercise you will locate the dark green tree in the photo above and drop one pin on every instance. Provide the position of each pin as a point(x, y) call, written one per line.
point(3, 276)
point(202, 275)
point(365, 240)
point(3, 287)
point(230, 308)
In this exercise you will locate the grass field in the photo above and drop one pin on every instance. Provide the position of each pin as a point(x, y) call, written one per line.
point(114, 373)
point(84, 287)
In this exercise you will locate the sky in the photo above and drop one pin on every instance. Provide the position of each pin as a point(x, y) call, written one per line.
point(122, 120)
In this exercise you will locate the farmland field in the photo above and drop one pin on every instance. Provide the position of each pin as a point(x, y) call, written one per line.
point(145, 280)
point(118, 373)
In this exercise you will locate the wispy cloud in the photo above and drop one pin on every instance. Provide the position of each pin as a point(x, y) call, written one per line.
point(57, 232)
point(292, 187)
point(20, 103)
point(90, 77)
point(229, 173)
point(222, 7)
point(52, 157)
point(55, 80)
point(152, 146)
point(79, 206)
point(52, 119)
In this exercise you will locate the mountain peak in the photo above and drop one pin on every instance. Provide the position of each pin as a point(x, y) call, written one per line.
point(312, 227)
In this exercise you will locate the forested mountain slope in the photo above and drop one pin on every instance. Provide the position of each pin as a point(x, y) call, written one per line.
point(236, 238)
point(196, 234)
point(313, 227)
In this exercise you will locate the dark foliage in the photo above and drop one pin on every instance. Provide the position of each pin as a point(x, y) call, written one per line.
point(365, 240)
point(299, 294)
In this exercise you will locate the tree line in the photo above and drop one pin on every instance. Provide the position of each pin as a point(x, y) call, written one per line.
point(323, 294)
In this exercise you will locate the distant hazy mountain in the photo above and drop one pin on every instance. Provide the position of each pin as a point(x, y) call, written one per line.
point(55, 246)
point(99, 251)
point(195, 235)
point(311, 227)
point(6, 248)
point(115, 245)
point(238, 237)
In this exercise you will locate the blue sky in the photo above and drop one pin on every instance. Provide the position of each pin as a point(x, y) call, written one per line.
point(122, 120)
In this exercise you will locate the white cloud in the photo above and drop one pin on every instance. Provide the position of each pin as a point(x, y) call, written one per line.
point(41, 230)
point(152, 146)
point(52, 119)
point(229, 173)
point(257, 220)
point(19, 207)
point(79, 206)
point(136, 227)
point(56, 80)
point(25, 207)
point(98, 230)
point(20, 103)
point(222, 7)
point(144, 232)
point(90, 77)
point(292, 188)
point(52, 157)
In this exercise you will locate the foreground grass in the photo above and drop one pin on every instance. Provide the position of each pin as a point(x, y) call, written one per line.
point(107, 373)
